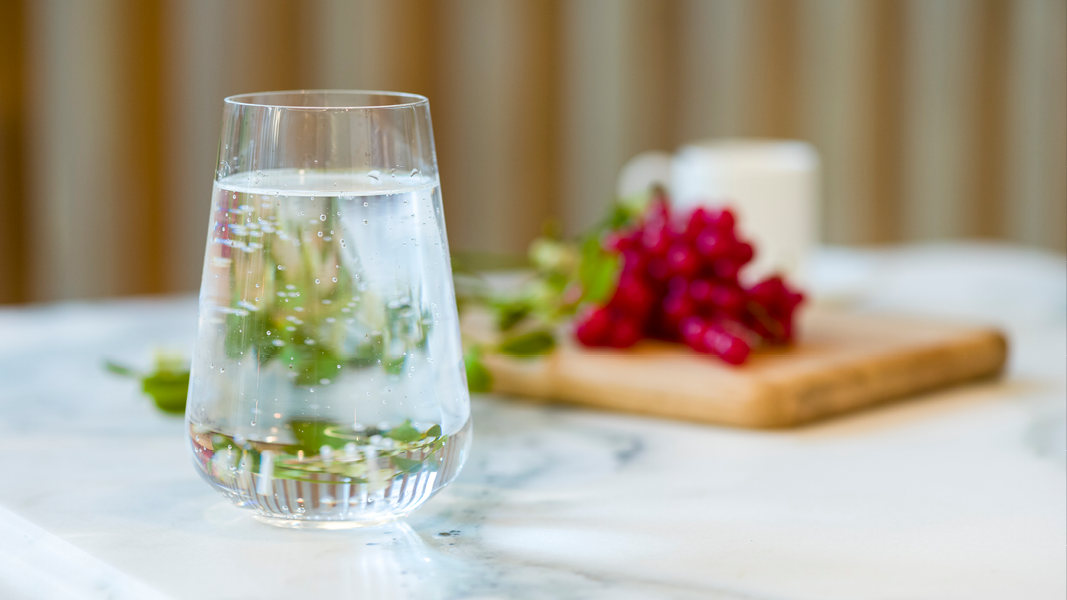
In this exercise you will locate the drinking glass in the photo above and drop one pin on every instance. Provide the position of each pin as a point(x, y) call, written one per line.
point(327, 386)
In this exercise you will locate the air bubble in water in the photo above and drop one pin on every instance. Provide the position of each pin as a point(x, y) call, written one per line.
point(322, 217)
point(364, 221)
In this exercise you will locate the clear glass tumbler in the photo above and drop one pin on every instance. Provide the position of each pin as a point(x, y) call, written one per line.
point(327, 386)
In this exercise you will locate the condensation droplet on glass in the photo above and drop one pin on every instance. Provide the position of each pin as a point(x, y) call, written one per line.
point(322, 217)
point(364, 221)
point(335, 280)
point(222, 369)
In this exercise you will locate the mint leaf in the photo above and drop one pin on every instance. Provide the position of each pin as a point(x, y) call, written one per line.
point(508, 313)
point(311, 436)
point(532, 343)
point(404, 432)
point(406, 465)
point(479, 380)
point(394, 365)
point(598, 271)
point(121, 370)
point(169, 390)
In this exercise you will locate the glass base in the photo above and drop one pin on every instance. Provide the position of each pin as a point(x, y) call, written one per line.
point(307, 524)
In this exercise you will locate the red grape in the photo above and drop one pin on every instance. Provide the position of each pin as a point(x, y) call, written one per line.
point(727, 346)
point(711, 245)
point(700, 290)
point(658, 269)
point(699, 219)
point(725, 221)
point(656, 240)
point(726, 268)
point(742, 252)
point(692, 330)
point(625, 333)
point(676, 308)
point(682, 260)
point(728, 299)
point(633, 296)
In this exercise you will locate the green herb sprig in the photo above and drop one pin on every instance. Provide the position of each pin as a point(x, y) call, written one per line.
point(167, 384)
point(566, 275)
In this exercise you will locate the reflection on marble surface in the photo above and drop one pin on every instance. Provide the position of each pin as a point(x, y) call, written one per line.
point(959, 494)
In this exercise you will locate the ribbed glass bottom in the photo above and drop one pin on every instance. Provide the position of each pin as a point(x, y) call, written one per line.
point(387, 487)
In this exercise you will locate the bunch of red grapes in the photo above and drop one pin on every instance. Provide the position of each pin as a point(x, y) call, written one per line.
point(679, 282)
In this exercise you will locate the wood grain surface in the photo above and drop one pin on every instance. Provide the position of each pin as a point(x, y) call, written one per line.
point(843, 362)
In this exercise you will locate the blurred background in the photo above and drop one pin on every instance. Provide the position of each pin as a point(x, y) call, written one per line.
point(935, 119)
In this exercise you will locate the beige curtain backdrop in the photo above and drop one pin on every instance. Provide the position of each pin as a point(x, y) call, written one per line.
point(936, 119)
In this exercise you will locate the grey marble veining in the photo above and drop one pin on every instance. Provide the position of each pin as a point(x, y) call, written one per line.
point(958, 494)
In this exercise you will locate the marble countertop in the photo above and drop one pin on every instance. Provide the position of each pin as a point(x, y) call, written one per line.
point(957, 494)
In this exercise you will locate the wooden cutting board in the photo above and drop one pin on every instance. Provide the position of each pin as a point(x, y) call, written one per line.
point(843, 362)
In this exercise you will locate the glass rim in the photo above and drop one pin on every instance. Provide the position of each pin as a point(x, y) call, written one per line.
point(391, 99)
